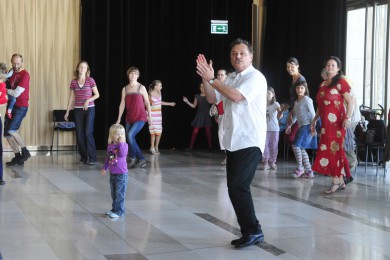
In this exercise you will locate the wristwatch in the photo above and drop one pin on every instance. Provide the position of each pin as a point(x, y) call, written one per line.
point(211, 81)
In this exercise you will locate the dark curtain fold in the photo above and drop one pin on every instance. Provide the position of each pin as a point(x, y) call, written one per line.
point(309, 30)
point(162, 39)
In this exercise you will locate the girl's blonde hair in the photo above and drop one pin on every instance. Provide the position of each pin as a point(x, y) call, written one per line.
point(115, 128)
point(153, 85)
point(271, 89)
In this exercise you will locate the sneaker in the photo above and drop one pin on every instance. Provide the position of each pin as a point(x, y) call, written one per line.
point(9, 114)
point(132, 163)
point(265, 166)
point(308, 174)
point(15, 161)
point(153, 151)
point(142, 163)
point(108, 212)
point(91, 163)
point(273, 166)
point(2, 182)
point(298, 173)
point(114, 215)
point(25, 155)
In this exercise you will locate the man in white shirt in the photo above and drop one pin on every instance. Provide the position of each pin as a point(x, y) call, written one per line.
point(244, 127)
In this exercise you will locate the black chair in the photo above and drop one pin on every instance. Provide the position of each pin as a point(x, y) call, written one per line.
point(374, 141)
point(59, 124)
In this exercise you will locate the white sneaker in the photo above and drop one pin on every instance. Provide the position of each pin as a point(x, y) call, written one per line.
point(108, 212)
point(273, 166)
point(265, 166)
point(114, 215)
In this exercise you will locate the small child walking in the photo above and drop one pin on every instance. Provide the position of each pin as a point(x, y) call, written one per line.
point(116, 164)
point(272, 139)
point(304, 114)
point(155, 126)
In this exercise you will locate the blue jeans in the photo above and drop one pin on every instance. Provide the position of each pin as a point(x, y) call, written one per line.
point(132, 130)
point(12, 125)
point(118, 184)
point(84, 121)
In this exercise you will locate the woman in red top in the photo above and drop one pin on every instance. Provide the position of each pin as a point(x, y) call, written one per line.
point(136, 101)
point(333, 92)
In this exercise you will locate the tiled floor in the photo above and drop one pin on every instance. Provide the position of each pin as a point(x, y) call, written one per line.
point(178, 208)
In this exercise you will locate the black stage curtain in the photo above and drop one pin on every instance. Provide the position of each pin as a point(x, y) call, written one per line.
point(162, 39)
point(309, 30)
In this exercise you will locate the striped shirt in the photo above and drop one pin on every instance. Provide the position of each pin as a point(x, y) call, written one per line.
point(83, 93)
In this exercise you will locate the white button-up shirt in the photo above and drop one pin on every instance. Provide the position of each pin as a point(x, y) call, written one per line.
point(244, 123)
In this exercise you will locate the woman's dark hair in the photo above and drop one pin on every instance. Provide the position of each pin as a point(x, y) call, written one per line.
point(293, 60)
point(339, 74)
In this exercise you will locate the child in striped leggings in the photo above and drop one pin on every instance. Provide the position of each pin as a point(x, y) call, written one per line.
point(303, 112)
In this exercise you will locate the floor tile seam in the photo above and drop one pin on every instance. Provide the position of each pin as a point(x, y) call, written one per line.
point(235, 231)
point(328, 209)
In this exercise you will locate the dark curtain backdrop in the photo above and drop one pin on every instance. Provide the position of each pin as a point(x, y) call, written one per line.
point(309, 30)
point(162, 39)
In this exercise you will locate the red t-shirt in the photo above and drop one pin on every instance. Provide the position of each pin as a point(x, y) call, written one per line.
point(21, 79)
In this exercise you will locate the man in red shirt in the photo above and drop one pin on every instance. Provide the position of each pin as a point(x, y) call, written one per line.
point(20, 89)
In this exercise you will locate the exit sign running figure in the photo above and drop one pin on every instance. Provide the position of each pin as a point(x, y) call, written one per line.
point(219, 27)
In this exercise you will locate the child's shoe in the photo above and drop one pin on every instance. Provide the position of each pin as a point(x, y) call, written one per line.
point(265, 166)
point(308, 174)
point(114, 215)
point(273, 166)
point(298, 173)
point(9, 114)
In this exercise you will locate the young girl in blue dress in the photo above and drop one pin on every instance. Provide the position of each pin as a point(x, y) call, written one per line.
point(304, 139)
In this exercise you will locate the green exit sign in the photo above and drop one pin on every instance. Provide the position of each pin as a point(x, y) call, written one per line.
point(219, 27)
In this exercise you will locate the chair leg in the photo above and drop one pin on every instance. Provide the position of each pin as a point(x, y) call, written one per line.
point(58, 133)
point(365, 164)
point(52, 140)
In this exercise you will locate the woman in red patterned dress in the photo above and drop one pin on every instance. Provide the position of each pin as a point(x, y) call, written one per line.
point(335, 117)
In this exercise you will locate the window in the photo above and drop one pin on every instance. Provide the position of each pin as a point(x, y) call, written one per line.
point(366, 54)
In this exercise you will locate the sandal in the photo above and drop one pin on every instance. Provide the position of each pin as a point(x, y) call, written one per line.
point(152, 150)
point(335, 187)
point(157, 151)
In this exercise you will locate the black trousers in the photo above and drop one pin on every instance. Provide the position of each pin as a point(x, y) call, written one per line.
point(241, 167)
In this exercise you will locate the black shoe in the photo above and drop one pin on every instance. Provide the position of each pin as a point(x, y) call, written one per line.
point(91, 163)
point(132, 163)
point(2, 182)
point(235, 241)
point(25, 155)
point(348, 179)
point(249, 240)
point(188, 149)
point(15, 161)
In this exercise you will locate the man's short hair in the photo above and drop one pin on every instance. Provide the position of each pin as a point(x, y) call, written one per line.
point(241, 41)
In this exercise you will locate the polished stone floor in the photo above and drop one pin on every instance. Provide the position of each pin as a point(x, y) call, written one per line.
point(178, 208)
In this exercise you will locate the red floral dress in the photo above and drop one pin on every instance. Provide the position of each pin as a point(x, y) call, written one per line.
point(330, 158)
